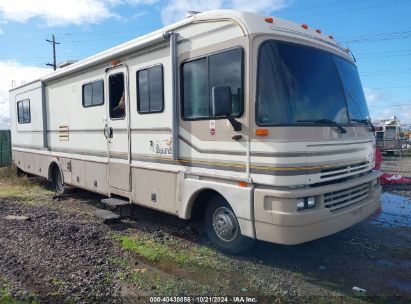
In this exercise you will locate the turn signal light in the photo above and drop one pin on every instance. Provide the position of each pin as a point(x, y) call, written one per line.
point(269, 20)
point(261, 132)
point(304, 26)
point(115, 62)
point(242, 184)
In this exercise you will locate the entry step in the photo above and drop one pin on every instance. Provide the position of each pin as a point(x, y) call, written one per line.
point(114, 203)
point(122, 206)
point(107, 215)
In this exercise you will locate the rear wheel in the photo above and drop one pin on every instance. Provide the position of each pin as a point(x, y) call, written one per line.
point(19, 172)
point(58, 183)
point(223, 229)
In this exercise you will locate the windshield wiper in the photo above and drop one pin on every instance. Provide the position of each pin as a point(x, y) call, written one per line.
point(326, 121)
point(364, 121)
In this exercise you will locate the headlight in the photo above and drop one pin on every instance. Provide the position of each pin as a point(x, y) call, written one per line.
point(306, 203)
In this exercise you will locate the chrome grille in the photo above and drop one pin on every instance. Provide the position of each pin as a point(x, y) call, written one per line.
point(344, 198)
point(344, 170)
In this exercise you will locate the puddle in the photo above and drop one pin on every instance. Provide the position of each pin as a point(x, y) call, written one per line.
point(403, 285)
point(385, 263)
point(395, 211)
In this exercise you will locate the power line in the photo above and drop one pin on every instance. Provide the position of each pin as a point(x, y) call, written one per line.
point(394, 105)
point(399, 87)
point(350, 9)
point(54, 42)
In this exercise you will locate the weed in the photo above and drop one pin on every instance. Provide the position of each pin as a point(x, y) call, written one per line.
point(7, 298)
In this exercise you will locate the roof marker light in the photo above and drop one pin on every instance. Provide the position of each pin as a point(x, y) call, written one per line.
point(269, 20)
point(304, 26)
point(318, 31)
point(331, 37)
point(115, 62)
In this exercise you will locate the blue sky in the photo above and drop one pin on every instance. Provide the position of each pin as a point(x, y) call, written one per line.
point(377, 31)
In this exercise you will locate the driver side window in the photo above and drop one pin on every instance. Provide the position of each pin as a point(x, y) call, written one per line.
point(199, 76)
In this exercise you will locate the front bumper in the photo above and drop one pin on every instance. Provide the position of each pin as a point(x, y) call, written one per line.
point(278, 221)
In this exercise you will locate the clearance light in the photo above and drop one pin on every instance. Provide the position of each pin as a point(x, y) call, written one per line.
point(242, 184)
point(304, 26)
point(269, 20)
point(331, 37)
point(115, 62)
point(306, 203)
point(261, 132)
point(318, 31)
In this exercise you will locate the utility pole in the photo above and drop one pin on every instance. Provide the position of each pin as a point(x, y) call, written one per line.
point(53, 41)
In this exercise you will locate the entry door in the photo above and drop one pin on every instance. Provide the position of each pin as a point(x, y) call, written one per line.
point(117, 129)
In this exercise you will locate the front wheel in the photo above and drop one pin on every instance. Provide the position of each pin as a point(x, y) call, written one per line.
point(222, 227)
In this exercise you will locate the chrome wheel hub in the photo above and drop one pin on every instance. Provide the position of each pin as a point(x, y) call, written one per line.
point(225, 224)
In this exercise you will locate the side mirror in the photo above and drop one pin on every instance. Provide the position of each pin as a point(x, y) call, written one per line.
point(221, 105)
point(221, 101)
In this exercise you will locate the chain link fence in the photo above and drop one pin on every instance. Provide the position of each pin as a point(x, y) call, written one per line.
point(5, 148)
point(394, 145)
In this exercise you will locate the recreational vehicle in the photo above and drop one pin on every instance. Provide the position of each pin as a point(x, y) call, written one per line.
point(255, 124)
point(389, 135)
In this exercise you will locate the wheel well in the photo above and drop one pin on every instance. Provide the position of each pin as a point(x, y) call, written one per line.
point(200, 202)
point(52, 168)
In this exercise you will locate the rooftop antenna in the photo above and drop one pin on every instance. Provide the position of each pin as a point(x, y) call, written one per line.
point(192, 13)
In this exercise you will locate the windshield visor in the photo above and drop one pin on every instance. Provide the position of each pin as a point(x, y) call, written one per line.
point(297, 84)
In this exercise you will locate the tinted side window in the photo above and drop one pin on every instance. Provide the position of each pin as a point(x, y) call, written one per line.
point(23, 111)
point(201, 75)
point(195, 92)
point(150, 96)
point(93, 93)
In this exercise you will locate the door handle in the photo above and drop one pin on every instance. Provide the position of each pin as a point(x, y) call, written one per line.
point(108, 132)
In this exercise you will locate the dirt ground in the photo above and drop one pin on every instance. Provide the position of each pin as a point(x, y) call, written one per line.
point(61, 253)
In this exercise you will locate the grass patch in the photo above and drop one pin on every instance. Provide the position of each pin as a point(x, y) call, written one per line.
point(171, 251)
point(7, 298)
point(22, 188)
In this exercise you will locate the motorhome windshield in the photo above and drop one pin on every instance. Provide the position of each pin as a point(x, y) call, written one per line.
point(299, 84)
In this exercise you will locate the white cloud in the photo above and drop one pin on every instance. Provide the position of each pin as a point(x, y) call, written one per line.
point(176, 9)
point(79, 12)
point(372, 95)
point(401, 112)
point(1, 31)
point(55, 12)
point(63, 11)
point(13, 71)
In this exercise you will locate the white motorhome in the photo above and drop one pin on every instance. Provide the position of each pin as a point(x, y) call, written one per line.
point(258, 125)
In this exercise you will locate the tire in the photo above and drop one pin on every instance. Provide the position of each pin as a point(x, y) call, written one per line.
point(223, 229)
point(58, 183)
point(19, 172)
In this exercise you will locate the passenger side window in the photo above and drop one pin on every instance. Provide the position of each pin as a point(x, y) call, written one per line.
point(93, 93)
point(150, 90)
point(117, 96)
point(201, 75)
point(23, 111)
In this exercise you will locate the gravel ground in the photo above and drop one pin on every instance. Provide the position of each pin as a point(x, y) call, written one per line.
point(57, 255)
point(397, 165)
point(400, 166)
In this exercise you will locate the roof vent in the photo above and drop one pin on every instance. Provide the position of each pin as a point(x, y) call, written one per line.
point(66, 63)
point(191, 13)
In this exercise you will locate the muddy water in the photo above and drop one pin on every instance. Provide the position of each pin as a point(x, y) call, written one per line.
point(395, 211)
